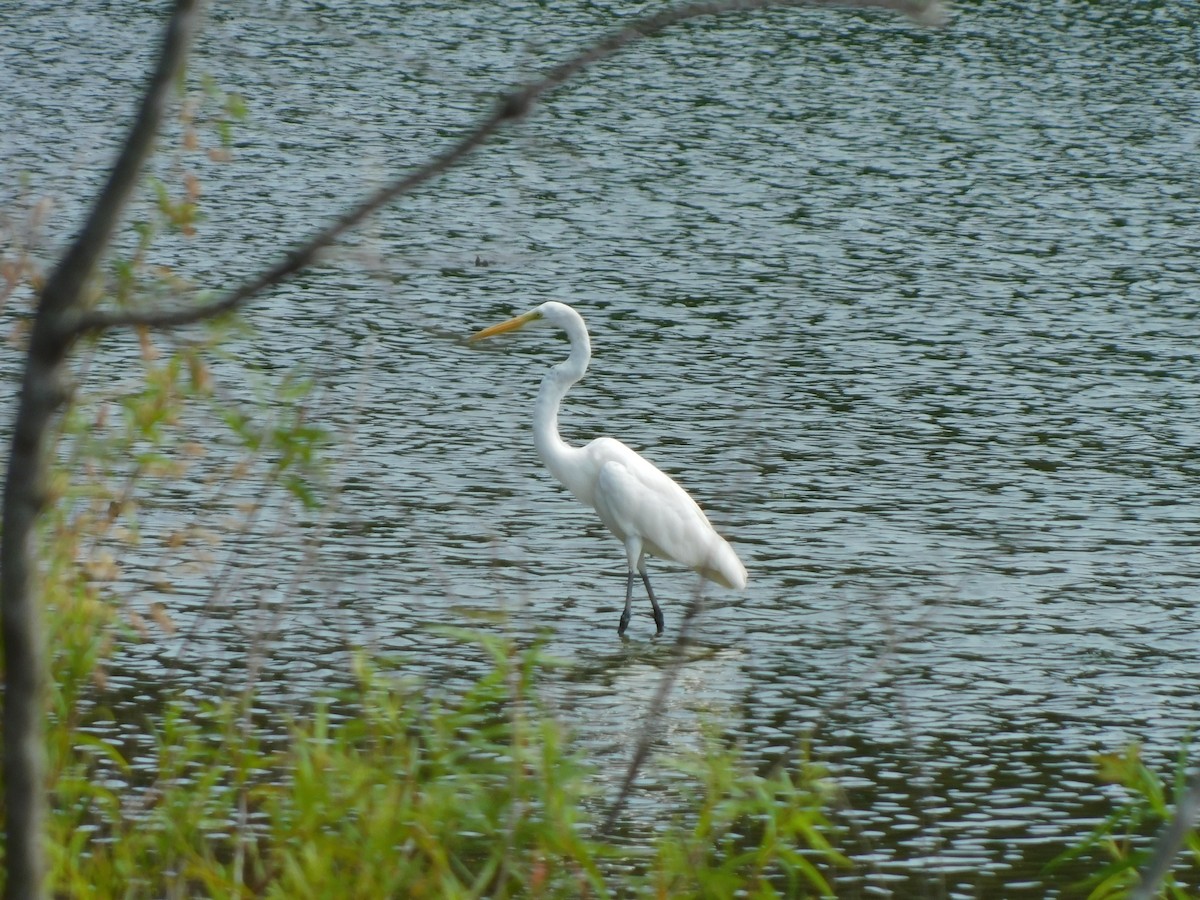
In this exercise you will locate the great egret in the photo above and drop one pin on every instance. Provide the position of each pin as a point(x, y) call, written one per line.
point(639, 503)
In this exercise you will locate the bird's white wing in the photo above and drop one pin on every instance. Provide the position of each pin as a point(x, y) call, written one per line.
point(635, 498)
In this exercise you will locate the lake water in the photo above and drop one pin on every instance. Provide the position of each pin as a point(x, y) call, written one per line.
point(912, 314)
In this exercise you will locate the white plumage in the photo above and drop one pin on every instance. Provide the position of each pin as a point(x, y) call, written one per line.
point(639, 503)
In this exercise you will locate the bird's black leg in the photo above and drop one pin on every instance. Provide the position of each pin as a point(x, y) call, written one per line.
point(628, 604)
point(658, 616)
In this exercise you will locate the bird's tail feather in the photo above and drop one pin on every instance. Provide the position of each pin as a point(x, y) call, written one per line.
point(724, 567)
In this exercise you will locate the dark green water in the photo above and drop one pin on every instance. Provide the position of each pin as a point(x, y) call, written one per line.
point(913, 315)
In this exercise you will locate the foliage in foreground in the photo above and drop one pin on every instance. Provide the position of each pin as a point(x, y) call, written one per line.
point(1147, 807)
point(399, 788)
point(417, 793)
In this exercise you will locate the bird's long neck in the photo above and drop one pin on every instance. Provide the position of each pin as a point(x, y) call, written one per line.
point(554, 451)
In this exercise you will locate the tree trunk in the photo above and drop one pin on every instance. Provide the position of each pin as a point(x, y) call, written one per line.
point(44, 388)
point(24, 652)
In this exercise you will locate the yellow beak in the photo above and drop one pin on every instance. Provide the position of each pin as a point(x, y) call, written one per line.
point(510, 325)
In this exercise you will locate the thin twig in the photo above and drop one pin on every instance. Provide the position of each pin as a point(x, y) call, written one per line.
point(513, 106)
point(1169, 840)
point(658, 702)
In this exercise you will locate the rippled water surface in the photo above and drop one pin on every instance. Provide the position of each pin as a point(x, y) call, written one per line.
point(913, 314)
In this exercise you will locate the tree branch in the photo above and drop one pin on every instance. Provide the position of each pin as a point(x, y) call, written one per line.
point(511, 107)
point(64, 289)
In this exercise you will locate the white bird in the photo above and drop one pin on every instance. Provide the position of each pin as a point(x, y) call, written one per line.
point(639, 503)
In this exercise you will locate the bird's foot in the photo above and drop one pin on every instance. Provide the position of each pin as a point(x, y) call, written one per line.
point(624, 624)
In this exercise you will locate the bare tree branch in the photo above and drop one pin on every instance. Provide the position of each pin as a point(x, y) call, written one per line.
point(43, 390)
point(510, 108)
